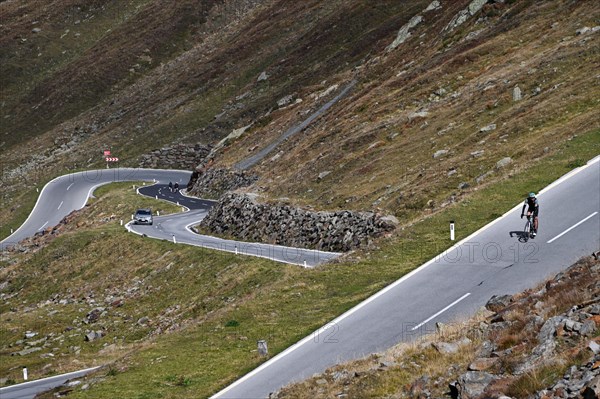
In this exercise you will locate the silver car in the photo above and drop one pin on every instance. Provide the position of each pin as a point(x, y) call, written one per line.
point(143, 216)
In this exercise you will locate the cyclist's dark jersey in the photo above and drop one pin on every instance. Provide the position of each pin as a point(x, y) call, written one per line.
point(532, 206)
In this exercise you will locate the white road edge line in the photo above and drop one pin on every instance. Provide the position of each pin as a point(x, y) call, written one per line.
point(61, 203)
point(72, 176)
point(572, 227)
point(189, 229)
point(395, 284)
point(440, 312)
point(313, 251)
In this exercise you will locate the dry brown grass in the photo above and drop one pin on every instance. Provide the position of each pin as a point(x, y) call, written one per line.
point(416, 366)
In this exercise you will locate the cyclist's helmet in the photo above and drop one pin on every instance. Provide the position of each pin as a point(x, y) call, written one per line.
point(532, 195)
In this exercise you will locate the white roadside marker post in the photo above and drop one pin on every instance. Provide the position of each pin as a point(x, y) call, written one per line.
point(236, 250)
point(25, 373)
point(174, 239)
point(157, 213)
point(263, 350)
point(452, 230)
point(121, 222)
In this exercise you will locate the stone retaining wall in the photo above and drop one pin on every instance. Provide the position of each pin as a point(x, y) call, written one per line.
point(243, 217)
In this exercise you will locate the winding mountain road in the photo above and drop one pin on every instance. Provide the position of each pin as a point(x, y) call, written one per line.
point(70, 192)
point(453, 285)
point(178, 228)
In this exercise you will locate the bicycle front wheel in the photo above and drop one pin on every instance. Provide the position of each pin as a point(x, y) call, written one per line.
point(527, 229)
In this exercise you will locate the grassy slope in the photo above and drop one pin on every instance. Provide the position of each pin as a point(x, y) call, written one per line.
point(86, 64)
point(284, 303)
point(217, 304)
point(381, 157)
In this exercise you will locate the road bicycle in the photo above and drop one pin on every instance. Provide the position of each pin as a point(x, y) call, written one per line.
point(529, 230)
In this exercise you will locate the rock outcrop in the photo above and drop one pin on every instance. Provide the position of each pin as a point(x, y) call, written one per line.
point(178, 156)
point(242, 216)
point(212, 183)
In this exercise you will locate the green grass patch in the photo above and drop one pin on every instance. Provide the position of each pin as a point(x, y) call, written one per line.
point(12, 219)
point(206, 310)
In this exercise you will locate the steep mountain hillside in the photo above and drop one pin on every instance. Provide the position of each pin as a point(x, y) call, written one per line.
point(422, 110)
point(445, 90)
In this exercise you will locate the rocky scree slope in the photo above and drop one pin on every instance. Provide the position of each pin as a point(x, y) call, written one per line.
point(543, 343)
point(146, 74)
point(450, 95)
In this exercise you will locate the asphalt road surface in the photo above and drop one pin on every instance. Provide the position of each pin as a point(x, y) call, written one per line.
point(67, 193)
point(177, 228)
point(28, 390)
point(451, 286)
point(256, 158)
point(70, 192)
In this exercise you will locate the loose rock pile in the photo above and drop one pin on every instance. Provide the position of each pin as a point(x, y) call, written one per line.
point(212, 183)
point(574, 331)
point(543, 343)
point(178, 156)
point(240, 215)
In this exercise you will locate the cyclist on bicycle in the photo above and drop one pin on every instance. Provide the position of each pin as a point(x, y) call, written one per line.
point(533, 208)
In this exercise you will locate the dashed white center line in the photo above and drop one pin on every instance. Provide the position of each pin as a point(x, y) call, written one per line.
point(572, 227)
point(43, 226)
point(440, 312)
point(61, 203)
point(70, 185)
